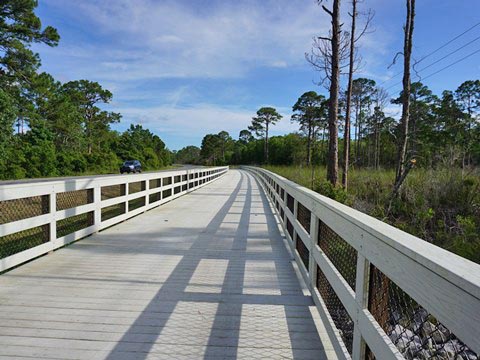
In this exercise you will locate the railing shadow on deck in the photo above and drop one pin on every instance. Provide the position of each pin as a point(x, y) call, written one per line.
point(179, 279)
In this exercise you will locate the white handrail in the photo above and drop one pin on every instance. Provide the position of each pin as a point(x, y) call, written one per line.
point(441, 283)
point(180, 183)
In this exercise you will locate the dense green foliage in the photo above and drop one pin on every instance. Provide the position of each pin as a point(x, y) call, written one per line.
point(440, 206)
point(61, 129)
point(439, 200)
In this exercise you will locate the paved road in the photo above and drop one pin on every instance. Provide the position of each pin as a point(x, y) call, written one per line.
point(62, 178)
point(205, 276)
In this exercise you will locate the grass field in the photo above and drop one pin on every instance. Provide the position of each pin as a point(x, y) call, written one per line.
point(441, 206)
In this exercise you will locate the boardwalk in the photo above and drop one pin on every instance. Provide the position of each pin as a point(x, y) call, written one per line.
point(204, 276)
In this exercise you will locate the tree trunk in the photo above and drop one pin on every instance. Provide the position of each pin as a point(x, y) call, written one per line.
point(309, 146)
point(332, 168)
point(407, 52)
point(346, 136)
point(266, 142)
point(357, 112)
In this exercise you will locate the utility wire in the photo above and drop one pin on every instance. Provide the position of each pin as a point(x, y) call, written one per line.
point(436, 50)
point(451, 53)
point(454, 63)
point(442, 69)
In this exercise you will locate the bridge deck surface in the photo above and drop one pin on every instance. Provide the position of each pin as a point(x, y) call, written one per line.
point(205, 276)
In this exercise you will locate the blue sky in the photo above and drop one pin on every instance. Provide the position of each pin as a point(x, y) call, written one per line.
point(186, 68)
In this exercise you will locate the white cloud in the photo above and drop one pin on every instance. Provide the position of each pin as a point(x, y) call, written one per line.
point(156, 39)
point(198, 120)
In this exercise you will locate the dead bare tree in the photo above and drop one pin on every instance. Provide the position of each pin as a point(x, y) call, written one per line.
point(353, 60)
point(326, 56)
point(404, 165)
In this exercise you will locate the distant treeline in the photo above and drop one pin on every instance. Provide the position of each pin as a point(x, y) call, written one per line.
point(444, 131)
point(49, 128)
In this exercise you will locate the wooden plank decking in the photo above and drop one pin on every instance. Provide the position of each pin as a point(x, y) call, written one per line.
point(205, 276)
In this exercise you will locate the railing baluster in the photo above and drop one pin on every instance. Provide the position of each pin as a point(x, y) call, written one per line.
point(361, 297)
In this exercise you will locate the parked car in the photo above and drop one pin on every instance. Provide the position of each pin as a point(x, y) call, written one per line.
point(131, 166)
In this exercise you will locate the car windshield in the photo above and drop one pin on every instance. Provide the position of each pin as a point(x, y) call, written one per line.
point(131, 162)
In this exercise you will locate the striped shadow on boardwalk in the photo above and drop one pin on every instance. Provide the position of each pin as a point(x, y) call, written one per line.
point(204, 276)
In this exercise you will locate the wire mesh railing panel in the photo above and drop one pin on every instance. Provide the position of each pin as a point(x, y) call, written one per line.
point(184, 177)
point(166, 181)
point(290, 203)
point(153, 198)
point(136, 187)
point(112, 191)
point(415, 332)
point(155, 183)
point(290, 228)
point(342, 320)
point(177, 179)
point(282, 194)
point(136, 203)
point(166, 193)
point(342, 255)
point(74, 223)
point(71, 199)
point(304, 217)
point(303, 252)
point(24, 208)
point(23, 240)
point(110, 212)
point(177, 189)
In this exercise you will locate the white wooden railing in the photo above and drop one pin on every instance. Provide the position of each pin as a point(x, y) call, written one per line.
point(83, 206)
point(416, 277)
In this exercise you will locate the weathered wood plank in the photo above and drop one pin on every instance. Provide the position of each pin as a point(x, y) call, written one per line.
point(207, 275)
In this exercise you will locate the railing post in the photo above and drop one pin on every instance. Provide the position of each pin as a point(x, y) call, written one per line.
point(314, 222)
point(97, 200)
point(295, 214)
point(147, 194)
point(361, 298)
point(52, 206)
point(127, 191)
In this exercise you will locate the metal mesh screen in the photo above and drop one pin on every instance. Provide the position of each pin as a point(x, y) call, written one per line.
point(167, 181)
point(113, 191)
point(71, 199)
point(415, 332)
point(184, 177)
point(177, 190)
point(290, 228)
point(177, 178)
point(342, 320)
point(282, 194)
point(155, 183)
point(110, 212)
point(136, 203)
point(184, 187)
point(74, 223)
point(19, 209)
point(136, 187)
point(155, 197)
point(290, 203)
point(282, 214)
point(342, 255)
point(166, 193)
point(303, 216)
point(23, 240)
point(303, 252)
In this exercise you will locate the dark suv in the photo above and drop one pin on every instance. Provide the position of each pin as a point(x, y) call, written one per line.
point(131, 166)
